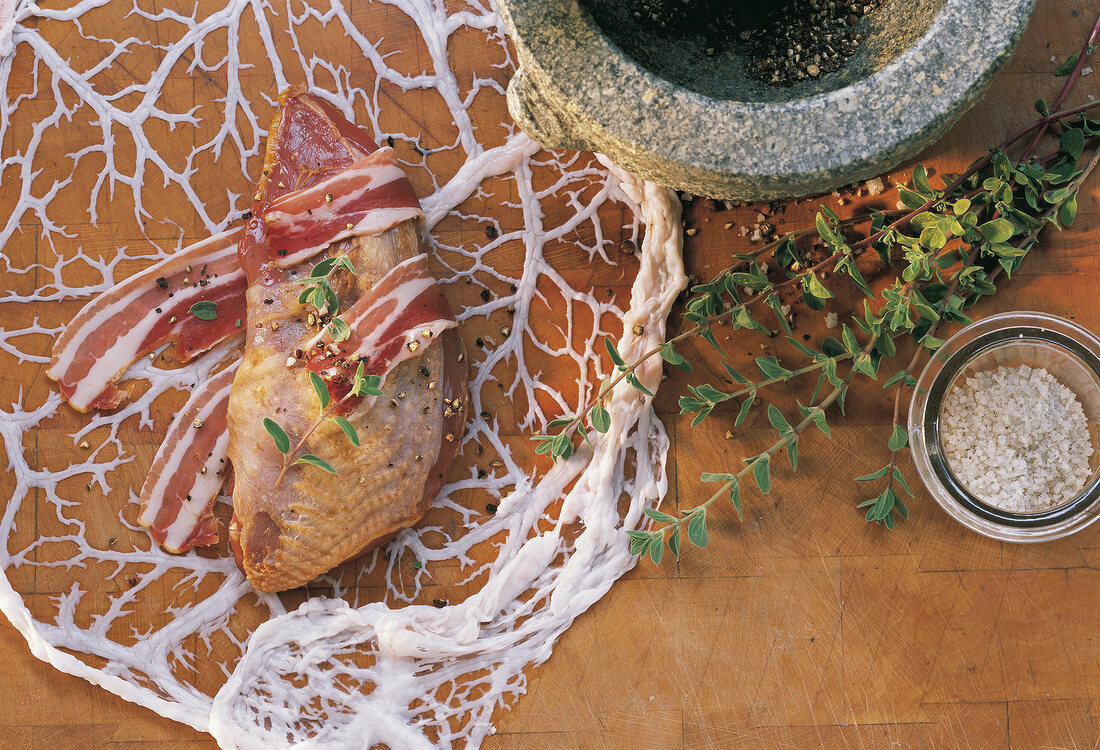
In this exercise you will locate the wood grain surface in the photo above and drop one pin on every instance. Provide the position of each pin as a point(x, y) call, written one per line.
point(801, 626)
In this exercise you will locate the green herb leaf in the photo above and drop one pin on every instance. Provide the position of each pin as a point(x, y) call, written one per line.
point(735, 496)
point(901, 480)
point(816, 288)
point(895, 378)
point(657, 548)
point(348, 428)
point(313, 460)
point(708, 335)
point(703, 414)
point(825, 231)
point(611, 350)
point(632, 379)
point(931, 342)
point(674, 542)
point(710, 394)
point(339, 330)
point(762, 473)
point(777, 419)
point(320, 388)
point(1068, 211)
point(639, 541)
point(998, 230)
point(771, 368)
point(743, 413)
point(920, 181)
point(911, 199)
point(697, 528)
point(205, 310)
point(365, 385)
point(735, 375)
point(851, 343)
point(657, 515)
point(561, 446)
point(674, 358)
point(874, 475)
point(899, 438)
point(599, 418)
point(282, 442)
point(1067, 67)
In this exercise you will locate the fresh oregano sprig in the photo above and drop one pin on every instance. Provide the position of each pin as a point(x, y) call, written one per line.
point(318, 292)
point(950, 244)
point(706, 309)
point(1060, 214)
point(362, 385)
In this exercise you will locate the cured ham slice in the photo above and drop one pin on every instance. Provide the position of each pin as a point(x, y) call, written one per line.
point(402, 312)
point(145, 311)
point(293, 522)
point(177, 499)
point(327, 191)
point(368, 197)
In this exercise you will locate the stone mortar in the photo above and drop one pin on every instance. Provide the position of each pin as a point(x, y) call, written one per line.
point(666, 110)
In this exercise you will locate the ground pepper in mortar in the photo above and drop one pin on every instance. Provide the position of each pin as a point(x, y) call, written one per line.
point(782, 43)
point(803, 40)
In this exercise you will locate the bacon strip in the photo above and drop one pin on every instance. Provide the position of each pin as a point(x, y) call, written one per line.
point(402, 312)
point(145, 311)
point(177, 499)
point(367, 197)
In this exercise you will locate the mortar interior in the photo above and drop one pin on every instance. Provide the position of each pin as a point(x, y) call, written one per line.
point(671, 39)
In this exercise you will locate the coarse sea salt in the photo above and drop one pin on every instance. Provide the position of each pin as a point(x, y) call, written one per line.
point(1017, 438)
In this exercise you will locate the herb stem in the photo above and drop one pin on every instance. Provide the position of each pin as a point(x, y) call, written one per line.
point(771, 246)
point(900, 223)
point(1065, 88)
point(317, 423)
point(1030, 237)
point(783, 440)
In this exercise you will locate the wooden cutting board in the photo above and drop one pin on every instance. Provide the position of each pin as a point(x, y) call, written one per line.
point(801, 626)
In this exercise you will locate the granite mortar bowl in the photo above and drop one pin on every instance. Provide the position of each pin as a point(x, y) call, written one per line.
point(594, 75)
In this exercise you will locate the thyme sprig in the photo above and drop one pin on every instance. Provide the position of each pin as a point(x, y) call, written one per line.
point(948, 245)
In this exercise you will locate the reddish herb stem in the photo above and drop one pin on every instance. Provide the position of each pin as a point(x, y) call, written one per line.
point(1084, 53)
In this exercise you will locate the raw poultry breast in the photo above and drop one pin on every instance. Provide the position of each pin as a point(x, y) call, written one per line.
point(294, 521)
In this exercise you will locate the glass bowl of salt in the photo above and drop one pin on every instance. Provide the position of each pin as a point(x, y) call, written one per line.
point(1004, 427)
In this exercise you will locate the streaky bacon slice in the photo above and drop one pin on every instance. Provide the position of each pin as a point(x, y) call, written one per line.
point(177, 499)
point(146, 310)
point(402, 312)
point(367, 197)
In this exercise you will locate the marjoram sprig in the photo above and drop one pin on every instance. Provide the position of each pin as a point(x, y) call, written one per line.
point(947, 247)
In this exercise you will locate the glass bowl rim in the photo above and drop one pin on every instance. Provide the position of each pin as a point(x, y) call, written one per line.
point(941, 370)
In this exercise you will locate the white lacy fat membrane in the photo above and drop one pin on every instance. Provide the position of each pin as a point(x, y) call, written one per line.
point(334, 673)
point(418, 649)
